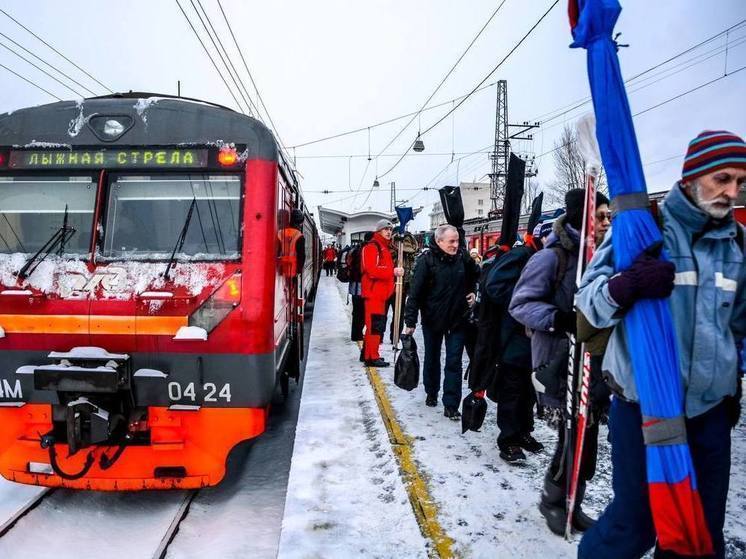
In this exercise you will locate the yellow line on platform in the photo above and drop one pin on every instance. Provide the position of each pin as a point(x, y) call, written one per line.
point(423, 505)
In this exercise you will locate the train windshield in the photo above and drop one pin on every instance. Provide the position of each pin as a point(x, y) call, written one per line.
point(193, 217)
point(34, 210)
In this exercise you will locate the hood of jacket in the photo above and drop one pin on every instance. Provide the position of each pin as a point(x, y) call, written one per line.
point(564, 234)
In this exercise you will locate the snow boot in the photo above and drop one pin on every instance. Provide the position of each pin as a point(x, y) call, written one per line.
point(431, 401)
point(581, 521)
point(527, 442)
point(512, 453)
point(553, 507)
point(452, 413)
point(378, 363)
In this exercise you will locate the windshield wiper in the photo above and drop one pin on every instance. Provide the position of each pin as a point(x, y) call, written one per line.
point(182, 237)
point(60, 236)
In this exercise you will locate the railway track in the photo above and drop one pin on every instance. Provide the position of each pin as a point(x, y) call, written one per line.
point(26, 507)
point(173, 528)
point(133, 525)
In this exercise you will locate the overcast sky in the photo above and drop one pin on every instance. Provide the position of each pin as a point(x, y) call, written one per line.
point(324, 67)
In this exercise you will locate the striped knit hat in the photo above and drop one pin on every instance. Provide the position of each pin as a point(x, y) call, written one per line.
point(713, 150)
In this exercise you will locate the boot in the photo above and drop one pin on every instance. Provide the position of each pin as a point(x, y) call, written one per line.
point(552, 504)
point(581, 521)
point(553, 507)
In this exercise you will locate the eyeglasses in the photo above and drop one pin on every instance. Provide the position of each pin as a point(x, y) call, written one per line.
point(603, 216)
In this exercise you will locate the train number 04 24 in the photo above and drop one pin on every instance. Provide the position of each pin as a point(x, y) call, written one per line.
point(177, 392)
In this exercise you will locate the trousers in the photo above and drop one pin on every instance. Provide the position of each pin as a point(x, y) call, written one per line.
point(375, 326)
point(625, 529)
point(358, 318)
point(515, 404)
point(454, 342)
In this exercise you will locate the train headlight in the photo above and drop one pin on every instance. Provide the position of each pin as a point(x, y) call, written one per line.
point(113, 128)
point(218, 305)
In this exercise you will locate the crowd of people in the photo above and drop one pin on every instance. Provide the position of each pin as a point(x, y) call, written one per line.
point(516, 311)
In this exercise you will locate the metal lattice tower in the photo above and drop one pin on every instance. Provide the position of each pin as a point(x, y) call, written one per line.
point(501, 153)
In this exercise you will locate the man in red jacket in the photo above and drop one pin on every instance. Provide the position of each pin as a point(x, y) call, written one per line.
point(377, 285)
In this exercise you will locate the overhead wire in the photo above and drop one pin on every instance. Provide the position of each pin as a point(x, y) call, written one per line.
point(37, 86)
point(638, 87)
point(492, 84)
point(54, 49)
point(462, 101)
point(442, 81)
point(658, 105)
point(361, 155)
point(227, 62)
point(207, 52)
point(246, 103)
point(48, 64)
point(42, 70)
point(253, 83)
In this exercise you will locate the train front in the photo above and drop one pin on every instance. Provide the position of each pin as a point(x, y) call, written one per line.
point(137, 277)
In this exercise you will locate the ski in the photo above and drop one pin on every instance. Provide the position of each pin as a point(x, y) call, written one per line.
point(579, 366)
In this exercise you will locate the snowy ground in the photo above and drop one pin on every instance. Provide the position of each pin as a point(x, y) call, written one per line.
point(345, 496)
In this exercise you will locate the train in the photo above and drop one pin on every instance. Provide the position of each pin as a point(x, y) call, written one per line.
point(157, 262)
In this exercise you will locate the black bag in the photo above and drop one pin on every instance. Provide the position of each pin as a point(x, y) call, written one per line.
point(354, 263)
point(407, 368)
point(343, 270)
point(473, 411)
point(453, 206)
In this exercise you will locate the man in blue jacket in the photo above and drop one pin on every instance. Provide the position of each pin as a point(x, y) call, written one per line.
point(705, 278)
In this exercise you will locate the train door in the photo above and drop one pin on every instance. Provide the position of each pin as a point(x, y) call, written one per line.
point(283, 284)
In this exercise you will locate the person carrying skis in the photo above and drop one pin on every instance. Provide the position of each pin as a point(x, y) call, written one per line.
point(515, 394)
point(377, 286)
point(704, 277)
point(543, 302)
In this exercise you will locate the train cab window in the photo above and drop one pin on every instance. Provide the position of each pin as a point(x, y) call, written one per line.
point(150, 217)
point(34, 211)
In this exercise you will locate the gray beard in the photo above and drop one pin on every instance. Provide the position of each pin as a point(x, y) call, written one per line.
point(709, 206)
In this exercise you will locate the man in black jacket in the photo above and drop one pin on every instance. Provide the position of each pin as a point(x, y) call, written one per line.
point(515, 392)
point(442, 291)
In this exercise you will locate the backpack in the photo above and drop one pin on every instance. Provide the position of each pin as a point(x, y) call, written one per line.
point(343, 269)
point(355, 264)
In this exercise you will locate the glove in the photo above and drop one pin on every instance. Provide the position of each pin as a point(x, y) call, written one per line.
point(565, 321)
point(647, 278)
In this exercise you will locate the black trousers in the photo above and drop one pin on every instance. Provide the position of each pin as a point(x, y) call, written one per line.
point(358, 318)
point(515, 404)
point(390, 305)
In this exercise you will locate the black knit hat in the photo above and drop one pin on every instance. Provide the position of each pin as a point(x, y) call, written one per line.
point(574, 202)
point(601, 199)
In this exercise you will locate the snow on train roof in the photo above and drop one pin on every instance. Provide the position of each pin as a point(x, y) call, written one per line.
point(154, 119)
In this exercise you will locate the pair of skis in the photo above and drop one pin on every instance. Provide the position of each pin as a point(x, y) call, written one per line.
point(579, 365)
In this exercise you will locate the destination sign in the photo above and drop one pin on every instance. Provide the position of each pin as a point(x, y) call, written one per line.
point(108, 159)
